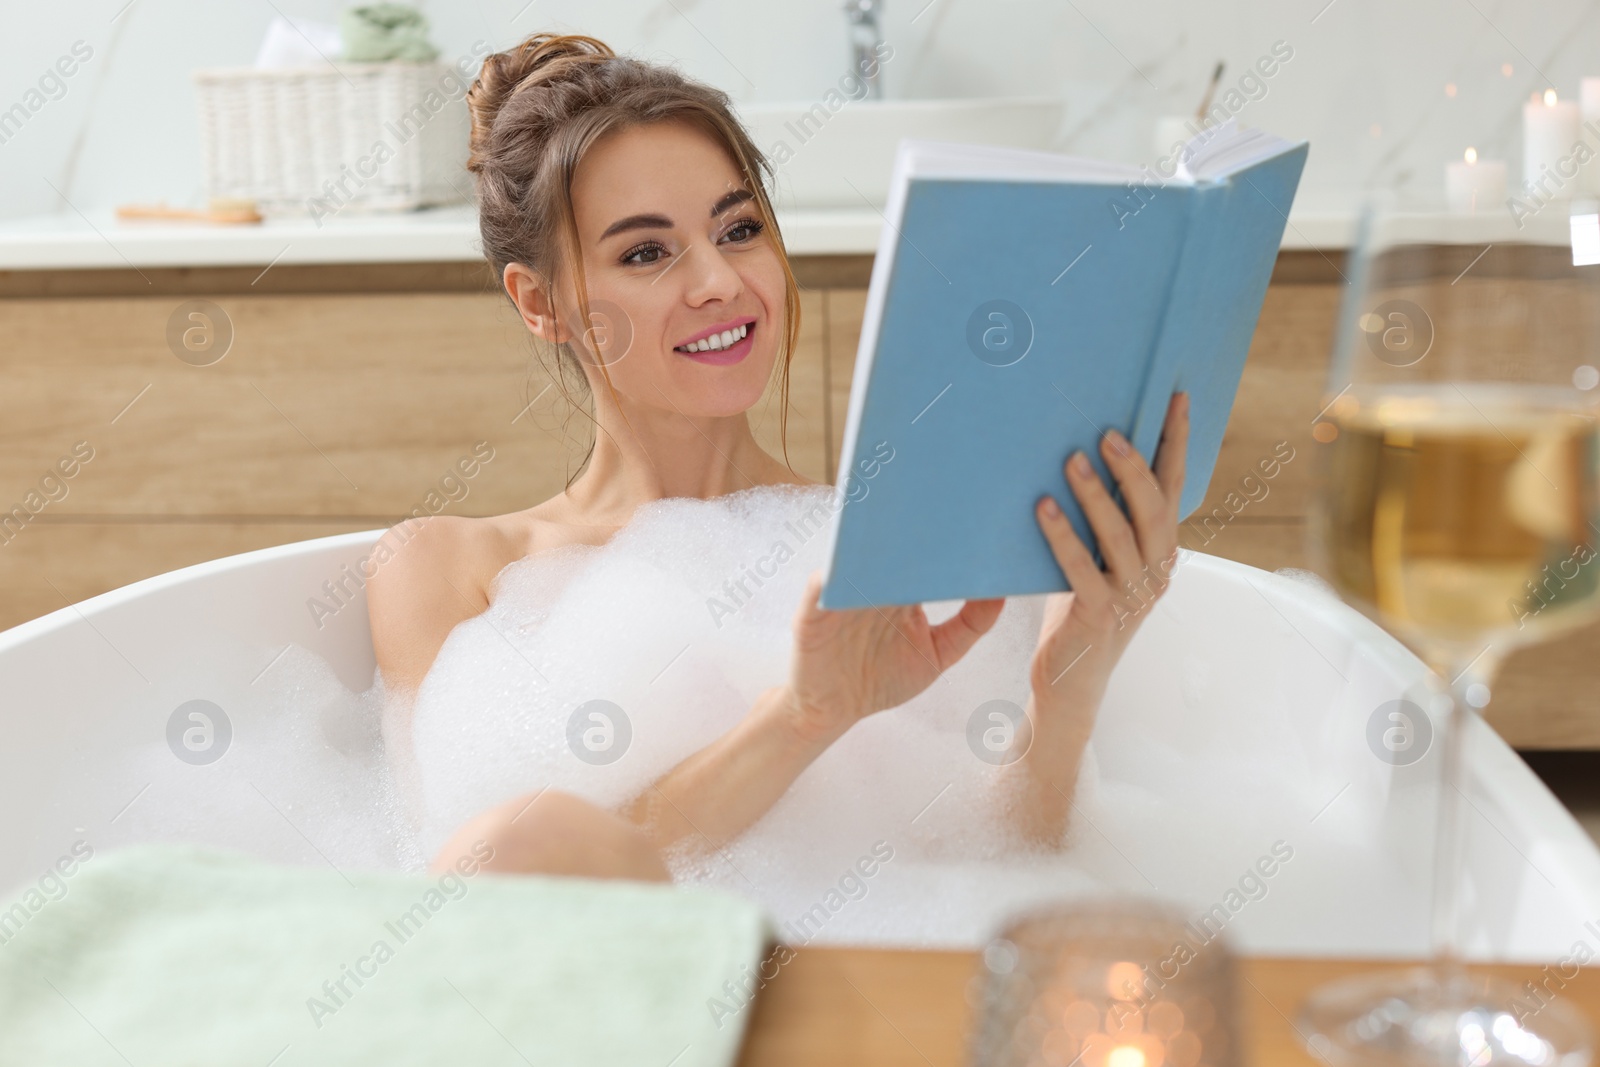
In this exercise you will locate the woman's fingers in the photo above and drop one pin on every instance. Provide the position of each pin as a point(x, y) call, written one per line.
point(1082, 572)
point(953, 637)
point(1118, 544)
point(1153, 512)
point(1152, 496)
point(1173, 452)
point(809, 612)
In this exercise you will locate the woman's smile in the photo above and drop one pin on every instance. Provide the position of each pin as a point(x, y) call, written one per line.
point(721, 345)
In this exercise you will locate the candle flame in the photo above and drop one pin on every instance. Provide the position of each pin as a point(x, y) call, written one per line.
point(1549, 98)
point(1126, 1056)
point(1471, 155)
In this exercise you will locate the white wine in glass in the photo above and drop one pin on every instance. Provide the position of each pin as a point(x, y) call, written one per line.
point(1458, 505)
point(1462, 515)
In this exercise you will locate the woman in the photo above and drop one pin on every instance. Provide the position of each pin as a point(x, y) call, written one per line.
point(623, 207)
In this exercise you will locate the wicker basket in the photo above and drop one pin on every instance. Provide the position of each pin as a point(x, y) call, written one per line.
point(307, 141)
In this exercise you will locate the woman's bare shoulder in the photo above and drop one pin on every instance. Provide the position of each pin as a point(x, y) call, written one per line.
point(432, 574)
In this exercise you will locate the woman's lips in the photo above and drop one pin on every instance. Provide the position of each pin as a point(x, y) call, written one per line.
point(723, 357)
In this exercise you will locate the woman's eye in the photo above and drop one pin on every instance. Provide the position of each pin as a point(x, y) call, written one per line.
point(644, 254)
point(743, 230)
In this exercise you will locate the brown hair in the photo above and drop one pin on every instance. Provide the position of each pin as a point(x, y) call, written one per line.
point(536, 109)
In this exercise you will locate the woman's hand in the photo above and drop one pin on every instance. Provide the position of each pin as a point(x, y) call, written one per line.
point(1086, 631)
point(849, 664)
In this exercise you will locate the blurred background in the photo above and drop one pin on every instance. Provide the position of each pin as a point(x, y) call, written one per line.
point(1386, 92)
point(243, 384)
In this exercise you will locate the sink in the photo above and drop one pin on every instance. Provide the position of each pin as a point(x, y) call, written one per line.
point(837, 153)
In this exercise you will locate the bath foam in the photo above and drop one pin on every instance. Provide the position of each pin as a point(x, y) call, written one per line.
point(1189, 795)
point(893, 836)
point(305, 776)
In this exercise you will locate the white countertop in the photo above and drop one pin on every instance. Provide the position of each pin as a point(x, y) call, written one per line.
point(97, 239)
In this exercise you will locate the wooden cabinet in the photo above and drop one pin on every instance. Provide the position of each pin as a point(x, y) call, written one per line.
point(350, 393)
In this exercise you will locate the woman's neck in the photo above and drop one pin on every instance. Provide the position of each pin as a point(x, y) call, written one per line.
point(655, 454)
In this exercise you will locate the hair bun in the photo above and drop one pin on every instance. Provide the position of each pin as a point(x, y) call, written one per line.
point(542, 59)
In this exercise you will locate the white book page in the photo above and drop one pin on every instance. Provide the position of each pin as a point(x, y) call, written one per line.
point(1228, 149)
point(1215, 153)
point(939, 159)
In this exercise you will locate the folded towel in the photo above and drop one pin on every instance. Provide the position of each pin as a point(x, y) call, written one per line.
point(382, 32)
point(297, 42)
point(175, 955)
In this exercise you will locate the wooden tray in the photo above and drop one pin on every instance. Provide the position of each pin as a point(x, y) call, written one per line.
point(887, 1008)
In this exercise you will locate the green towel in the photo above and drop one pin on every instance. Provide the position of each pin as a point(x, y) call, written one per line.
point(382, 32)
point(177, 956)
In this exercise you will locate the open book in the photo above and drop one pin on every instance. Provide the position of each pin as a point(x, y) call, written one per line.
point(1021, 304)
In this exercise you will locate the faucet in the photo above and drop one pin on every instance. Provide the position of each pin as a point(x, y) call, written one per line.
point(865, 37)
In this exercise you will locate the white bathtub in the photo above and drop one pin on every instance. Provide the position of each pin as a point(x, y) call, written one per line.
point(84, 685)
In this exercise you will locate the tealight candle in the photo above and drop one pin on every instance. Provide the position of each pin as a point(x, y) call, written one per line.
point(1549, 146)
point(1474, 184)
point(1109, 983)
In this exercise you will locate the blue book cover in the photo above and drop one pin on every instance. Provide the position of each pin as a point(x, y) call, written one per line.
point(1020, 305)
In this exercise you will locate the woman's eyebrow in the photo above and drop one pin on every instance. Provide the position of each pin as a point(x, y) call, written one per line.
point(661, 222)
point(638, 222)
point(738, 196)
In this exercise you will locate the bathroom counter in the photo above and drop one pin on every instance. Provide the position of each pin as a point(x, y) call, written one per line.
point(96, 239)
point(892, 1007)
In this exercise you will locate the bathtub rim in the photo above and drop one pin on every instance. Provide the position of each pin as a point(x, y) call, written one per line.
point(24, 632)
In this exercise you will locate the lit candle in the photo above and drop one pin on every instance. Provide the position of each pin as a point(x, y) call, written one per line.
point(1589, 100)
point(1550, 146)
point(1473, 184)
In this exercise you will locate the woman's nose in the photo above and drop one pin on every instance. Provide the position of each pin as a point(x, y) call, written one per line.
point(711, 276)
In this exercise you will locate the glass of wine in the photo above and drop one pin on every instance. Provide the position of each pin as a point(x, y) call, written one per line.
point(1459, 507)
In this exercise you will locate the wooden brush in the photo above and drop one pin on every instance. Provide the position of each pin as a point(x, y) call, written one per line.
point(222, 210)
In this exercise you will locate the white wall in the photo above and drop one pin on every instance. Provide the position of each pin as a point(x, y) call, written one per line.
point(1366, 83)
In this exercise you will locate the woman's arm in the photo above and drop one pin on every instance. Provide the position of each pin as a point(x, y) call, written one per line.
point(725, 787)
point(1086, 631)
point(847, 665)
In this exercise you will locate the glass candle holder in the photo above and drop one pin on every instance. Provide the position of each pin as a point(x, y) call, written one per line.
point(1106, 983)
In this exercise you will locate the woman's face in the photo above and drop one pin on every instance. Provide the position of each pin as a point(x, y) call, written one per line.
point(674, 255)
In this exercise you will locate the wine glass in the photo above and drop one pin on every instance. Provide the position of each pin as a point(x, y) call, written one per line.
point(1459, 507)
